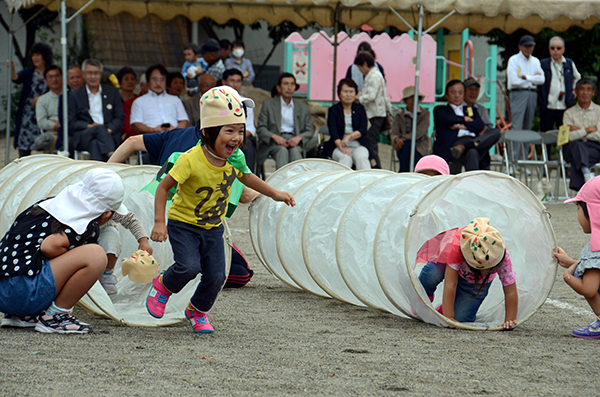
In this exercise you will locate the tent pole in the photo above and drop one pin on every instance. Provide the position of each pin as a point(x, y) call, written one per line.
point(416, 106)
point(336, 29)
point(65, 100)
point(9, 94)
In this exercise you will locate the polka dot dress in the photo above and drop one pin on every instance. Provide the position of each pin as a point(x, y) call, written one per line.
point(20, 247)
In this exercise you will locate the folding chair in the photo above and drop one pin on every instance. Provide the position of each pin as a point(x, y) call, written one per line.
point(522, 137)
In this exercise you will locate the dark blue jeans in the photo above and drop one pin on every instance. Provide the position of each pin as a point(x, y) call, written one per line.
point(467, 300)
point(404, 156)
point(196, 250)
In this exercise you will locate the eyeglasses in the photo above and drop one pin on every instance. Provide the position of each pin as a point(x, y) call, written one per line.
point(158, 79)
point(556, 48)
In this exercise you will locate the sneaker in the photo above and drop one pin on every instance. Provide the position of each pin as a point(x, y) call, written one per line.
point(19, 322)
point(199, 321)
point(157, 298)
point(588, 176)
point(109, 283)
point(592, 331)
point(64, 323)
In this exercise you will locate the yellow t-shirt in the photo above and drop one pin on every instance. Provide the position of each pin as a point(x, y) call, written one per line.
point(203, 189)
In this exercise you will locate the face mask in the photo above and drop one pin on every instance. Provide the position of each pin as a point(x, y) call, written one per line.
point(238, 53)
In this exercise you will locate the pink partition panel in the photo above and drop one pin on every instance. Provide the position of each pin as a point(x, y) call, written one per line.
point(397, 56)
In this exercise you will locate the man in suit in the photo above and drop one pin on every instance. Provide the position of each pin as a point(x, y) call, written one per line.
point(95, 114)
point(460, 132)
point(284, 125)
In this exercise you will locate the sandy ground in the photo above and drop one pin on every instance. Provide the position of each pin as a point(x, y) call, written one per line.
point(271, 339)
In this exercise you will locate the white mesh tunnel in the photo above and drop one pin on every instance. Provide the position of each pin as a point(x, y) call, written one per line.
point(32, 178)
point(354, 236)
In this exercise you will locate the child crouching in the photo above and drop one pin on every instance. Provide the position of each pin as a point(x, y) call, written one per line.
point(49, 257)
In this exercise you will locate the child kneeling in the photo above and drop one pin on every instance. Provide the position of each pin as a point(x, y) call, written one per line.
point(196, 214)
point(467, 260)
point(49, 257)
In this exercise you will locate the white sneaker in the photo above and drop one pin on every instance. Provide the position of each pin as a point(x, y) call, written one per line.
point(108, 282)
point(588, 176)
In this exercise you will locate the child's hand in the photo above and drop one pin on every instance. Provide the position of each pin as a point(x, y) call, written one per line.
point(143, 244)
point(285, 197)
point(563, 259)
point(509, 324)
point(159, 232)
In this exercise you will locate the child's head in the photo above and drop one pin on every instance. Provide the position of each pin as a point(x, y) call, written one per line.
point(481, 244)
point(190, 52)
point(98, 195)
point(588, 203)
point(432, 165)
point(223, 119)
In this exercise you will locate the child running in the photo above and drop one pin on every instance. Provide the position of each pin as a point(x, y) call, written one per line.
point(584, 275)
point(196, 214)
point(49, 258)
point(467, 259)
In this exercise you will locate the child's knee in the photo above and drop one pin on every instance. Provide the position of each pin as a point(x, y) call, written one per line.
point(95, 256)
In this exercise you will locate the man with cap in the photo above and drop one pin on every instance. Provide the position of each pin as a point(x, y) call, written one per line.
point(211, 50)
point(583, 119)
point(402, 130)
point(524, 75)
point(556, 94)
point(284, 125)
point(491, 134)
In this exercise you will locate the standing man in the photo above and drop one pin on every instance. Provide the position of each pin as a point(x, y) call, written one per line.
point(556, 94)
point(583, 119)
point(284, 124)
point(95, 114)
point(157, 111)
point(524, 75)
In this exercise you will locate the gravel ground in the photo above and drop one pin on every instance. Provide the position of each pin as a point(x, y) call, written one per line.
point(271, 339)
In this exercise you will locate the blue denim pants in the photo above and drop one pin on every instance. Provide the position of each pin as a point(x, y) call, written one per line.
point(466, 302)
point(196, 250)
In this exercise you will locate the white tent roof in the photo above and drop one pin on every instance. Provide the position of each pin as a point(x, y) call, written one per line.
point(480, 16)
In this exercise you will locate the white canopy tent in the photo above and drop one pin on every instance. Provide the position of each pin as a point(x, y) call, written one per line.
point(480, 16)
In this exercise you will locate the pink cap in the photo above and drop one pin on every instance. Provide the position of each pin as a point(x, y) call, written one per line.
point(590, 195)
point(433, 162)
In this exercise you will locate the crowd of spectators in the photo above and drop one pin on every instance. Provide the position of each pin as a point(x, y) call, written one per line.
point(101, 116)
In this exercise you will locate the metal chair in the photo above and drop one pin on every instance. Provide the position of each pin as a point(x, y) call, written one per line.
point(523, 137)
point(79, 154)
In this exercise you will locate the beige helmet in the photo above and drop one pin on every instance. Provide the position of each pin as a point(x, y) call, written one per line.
point(141, 267)
point(481, 245)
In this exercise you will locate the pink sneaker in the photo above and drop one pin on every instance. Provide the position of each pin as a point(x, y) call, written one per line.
point(199, 321)
point(157, 298)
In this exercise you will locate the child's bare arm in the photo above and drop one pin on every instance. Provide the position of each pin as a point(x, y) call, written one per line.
point(511, 306)
point(586, 286)
point(159, 231)
point(260, 186)
point(55, 245)
point(563, 259)
point(450, 283)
